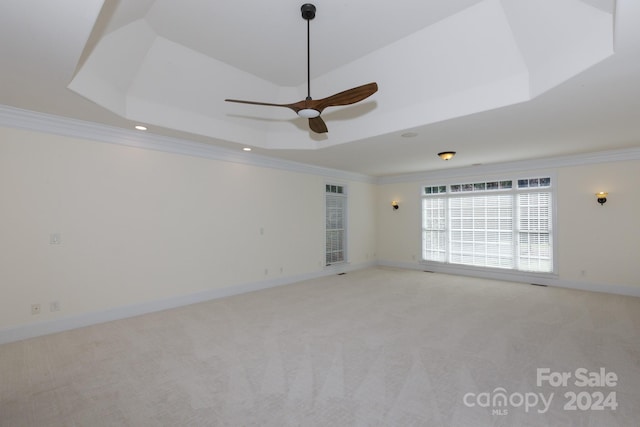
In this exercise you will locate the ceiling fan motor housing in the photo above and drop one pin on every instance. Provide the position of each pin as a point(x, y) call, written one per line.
point(308, 11)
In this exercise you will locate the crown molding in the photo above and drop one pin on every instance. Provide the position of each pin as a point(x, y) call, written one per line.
point(523, 165)
point(12, 117)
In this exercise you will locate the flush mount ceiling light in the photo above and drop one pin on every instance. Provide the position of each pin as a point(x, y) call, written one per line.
point(246, 149)
point(140, 127)
point(447, 155)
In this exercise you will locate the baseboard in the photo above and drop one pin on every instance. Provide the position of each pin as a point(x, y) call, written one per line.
point(31, 330)
point(626, 290)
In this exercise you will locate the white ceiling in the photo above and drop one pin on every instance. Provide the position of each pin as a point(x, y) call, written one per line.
point(494, 80)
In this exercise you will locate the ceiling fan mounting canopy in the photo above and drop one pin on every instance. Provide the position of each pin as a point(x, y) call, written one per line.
point(308, 11)
point(310, 108)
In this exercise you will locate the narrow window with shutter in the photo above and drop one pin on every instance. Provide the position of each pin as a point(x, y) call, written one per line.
point(335, 240)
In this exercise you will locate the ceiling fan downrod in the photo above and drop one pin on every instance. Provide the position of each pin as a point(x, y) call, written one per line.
point(308, 13)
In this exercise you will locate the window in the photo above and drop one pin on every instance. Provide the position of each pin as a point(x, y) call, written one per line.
point(335, 240)
point(504, 224)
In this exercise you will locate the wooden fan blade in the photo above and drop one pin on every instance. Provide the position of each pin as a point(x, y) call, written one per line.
point(295, 107)
point(347, 97)
point(318, 125)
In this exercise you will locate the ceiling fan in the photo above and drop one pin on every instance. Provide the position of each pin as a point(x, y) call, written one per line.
point(310, 108)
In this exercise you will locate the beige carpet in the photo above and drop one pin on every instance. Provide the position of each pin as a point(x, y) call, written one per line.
point(377, 347)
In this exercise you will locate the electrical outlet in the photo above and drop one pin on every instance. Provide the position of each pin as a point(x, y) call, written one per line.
point(54, 306)
point(35, 308)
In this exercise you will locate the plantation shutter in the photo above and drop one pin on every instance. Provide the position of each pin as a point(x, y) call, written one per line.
point(482, 230)
point(434, 229)
point(490, 224)
point(335, 225)
point(534, 233)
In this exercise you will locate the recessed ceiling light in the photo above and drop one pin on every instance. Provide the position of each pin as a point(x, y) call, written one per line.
point(140, 127)
point(246, 149)
point(409, 134)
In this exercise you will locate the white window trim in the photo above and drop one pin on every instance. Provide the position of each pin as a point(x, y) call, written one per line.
point(345, 195)
point(489, 272)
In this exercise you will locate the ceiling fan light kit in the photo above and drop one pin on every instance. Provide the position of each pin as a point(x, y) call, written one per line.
point(309, 108)
point(308, 113)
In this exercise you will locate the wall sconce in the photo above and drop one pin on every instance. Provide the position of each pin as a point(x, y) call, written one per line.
point(395, 205)
point(447, 155)
point(602, 197)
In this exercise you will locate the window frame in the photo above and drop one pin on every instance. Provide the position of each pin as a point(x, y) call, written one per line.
point(492, 272)
point(345, 222)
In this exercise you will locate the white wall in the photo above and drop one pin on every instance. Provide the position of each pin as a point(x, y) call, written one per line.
point(362, 220)
point(144, 229)
point(598, 246)
point(140, 225)
point(399, 231)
